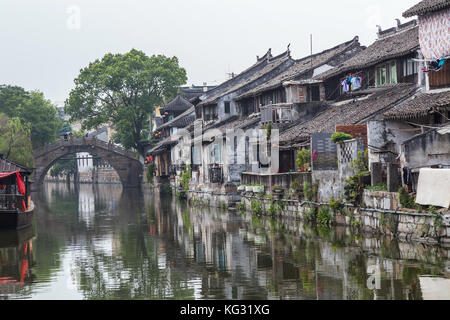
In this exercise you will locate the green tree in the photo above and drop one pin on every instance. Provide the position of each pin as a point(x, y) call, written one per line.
point(15, 141)
point(12, 98)
point(43, 117)
point(121, 90)
point(33, 109)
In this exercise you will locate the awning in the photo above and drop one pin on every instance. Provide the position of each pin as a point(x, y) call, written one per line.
point(433, 186)
point(20, 182)
point(4, 175)
point(444, 130)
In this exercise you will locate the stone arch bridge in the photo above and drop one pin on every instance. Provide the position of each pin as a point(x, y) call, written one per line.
point(128, 168)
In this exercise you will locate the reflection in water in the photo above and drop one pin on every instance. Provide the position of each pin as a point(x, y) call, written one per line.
point(16, 259)
point(100, 242)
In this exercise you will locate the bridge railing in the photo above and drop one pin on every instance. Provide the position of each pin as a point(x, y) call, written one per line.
point(84, 141)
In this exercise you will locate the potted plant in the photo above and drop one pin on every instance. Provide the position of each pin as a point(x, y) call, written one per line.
point(248, 188)
point(303, 160)
point(277, 189)
point(296, 189)
point(241, 188)
point(340, 137)
point(258, 188)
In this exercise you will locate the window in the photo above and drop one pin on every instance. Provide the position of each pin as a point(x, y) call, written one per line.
point(409, 67)
point(393, 72)
point(196, 157)
point(386, 73)
point(210, 113)
point(235, 149)
point(314, 93)
point(215, 155)
point(227, 106)
point(247, 150)
point(255, 153)
point(381, 76)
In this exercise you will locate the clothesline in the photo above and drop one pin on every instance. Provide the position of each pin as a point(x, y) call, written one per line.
point(429, 60)
point(422, 125)
point(351, 82)
point(358, 74)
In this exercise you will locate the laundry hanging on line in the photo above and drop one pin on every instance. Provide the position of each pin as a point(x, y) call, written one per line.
point(356, 83)
point(345, 86)
point(351, 83)
point(435, 65)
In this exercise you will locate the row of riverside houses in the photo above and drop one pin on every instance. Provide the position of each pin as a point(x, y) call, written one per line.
point(393, 97)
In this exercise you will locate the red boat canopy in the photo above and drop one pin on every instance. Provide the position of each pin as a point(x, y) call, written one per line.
point(20, 182)
point(4, 175)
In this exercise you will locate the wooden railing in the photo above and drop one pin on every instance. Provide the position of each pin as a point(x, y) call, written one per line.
point(281, 113)
point(12, 202)
point(173, 168)
point(279, 179)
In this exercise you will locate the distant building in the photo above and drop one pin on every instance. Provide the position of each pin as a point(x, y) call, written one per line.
point(186, 98)
point(192, 92)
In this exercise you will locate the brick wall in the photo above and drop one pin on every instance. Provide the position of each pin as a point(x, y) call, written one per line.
point(358, 131)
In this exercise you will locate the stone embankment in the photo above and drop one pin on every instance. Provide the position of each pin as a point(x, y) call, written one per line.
point(380, 219)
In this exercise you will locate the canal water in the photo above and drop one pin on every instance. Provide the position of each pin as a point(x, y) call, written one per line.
point(99, 242)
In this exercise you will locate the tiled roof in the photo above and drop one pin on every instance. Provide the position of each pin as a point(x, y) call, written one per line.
point(302, 66)
point(248, 76)
point(348, 113)
point(181, 121)
point(426, 6)
point(177, 104)
point(161, 146)
point(9, 166)
point(234, 122)
point(240, 123)
point(192, 92)
point(419, 105)
point(233, 81)
point(399, 44)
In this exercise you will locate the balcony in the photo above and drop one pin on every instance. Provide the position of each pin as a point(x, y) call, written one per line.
point(209, 117)
point(174, 168)
point(278, 179)
point(276, 113)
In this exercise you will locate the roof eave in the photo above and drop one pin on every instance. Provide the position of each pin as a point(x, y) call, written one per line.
point(422, 11)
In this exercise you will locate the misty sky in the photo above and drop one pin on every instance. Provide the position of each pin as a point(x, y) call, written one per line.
point(44, 44)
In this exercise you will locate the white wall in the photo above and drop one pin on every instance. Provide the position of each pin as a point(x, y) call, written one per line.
point(85, 165)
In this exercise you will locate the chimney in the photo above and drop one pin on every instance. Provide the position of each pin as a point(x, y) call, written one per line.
point(379, 31)
point(398, 23)
point(205, 87)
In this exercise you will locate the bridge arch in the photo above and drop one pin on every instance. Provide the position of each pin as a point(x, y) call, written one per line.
point(128, 168)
